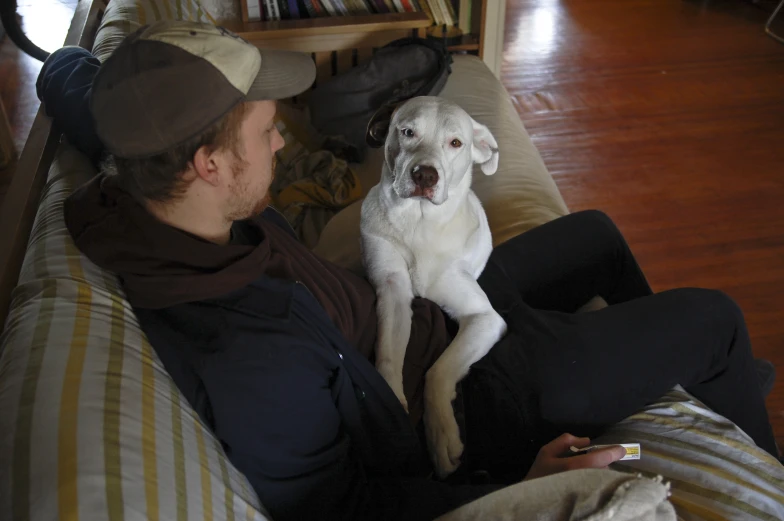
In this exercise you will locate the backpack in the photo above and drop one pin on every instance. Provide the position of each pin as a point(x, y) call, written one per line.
point(402, 69)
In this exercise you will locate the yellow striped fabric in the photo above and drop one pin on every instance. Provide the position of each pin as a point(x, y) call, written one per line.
point(92, 426)
point(716, 470)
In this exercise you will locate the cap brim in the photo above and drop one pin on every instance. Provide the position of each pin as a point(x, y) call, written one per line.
point(283, 74)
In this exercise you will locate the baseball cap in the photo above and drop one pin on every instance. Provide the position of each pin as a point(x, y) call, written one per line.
point(169, 81)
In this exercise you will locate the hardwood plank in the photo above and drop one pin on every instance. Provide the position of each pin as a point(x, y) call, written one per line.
point(667, 115)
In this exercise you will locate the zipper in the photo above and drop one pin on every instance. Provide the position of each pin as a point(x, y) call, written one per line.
point(302, 284)
point(358, 391)
point(286, 221)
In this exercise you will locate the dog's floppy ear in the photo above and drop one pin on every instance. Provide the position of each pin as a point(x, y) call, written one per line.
point(378, 126)
point(485, 150)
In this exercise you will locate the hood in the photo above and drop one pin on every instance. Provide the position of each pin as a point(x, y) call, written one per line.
point(159, 265)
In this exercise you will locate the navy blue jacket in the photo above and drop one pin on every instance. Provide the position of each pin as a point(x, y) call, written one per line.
point(297, 409)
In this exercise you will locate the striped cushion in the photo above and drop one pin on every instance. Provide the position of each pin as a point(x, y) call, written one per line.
point(92, 427)
point(716, 470)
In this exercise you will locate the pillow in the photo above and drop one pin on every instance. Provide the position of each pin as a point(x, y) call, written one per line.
point(716, 471)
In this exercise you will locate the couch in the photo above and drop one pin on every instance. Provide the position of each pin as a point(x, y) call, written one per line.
point(92, 427)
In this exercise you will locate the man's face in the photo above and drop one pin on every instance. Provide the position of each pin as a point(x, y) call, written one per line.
point(252, 174)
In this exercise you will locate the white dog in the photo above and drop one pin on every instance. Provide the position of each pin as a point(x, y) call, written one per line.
point(424, 233)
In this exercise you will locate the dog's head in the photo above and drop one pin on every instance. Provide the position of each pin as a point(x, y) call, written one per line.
point(431, 145)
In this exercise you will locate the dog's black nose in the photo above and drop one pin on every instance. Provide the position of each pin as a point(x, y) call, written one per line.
point(424, 176)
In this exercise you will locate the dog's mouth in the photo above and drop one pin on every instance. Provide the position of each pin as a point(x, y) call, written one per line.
point(426, 193)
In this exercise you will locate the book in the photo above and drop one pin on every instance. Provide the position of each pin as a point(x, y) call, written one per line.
point(380, 6)
point(272, 9)
point(341, 7)
point(254, 11)
point(444, 12)
point(330, 8)
point(451, 12)
point(407, 6)
point(293, 9)
point(426, 9)
point(435, 8)
point(464, 16)
point(283, 9)
point(318, 8)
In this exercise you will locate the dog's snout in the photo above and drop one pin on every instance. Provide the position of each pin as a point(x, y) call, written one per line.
point(424, 176)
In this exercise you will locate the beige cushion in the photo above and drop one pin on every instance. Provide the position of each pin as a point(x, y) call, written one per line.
point(518, 197)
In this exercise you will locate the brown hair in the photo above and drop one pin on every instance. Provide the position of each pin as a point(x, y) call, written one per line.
point(159, 178)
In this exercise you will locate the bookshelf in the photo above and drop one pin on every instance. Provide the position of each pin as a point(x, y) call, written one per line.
point(351, 38)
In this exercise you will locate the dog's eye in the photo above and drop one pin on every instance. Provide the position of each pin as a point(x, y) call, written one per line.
point(407, 132)
point(456, 143)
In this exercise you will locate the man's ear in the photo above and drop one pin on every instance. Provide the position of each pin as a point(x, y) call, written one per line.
point(378, 126)
point(485, 149)
point(205, 165)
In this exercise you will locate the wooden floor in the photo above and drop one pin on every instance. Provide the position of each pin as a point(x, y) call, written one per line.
point(666, 114)
point(46, 23)
point(669, 116)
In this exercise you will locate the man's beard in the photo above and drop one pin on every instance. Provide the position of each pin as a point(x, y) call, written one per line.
point(241, 207)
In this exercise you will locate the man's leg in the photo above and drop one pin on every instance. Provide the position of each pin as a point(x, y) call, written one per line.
point(582, 373)
point(562, 264)
point(557, 372)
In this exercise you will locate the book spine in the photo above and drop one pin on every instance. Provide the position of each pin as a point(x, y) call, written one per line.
point(464, 16)
point(444, 12)
point(318, 8)
point(426, 9)
point(331, 9)
point(407, 6)
point(436, 8)
point(273, 10)
point(451, 12)
point(254, 10)
point(293, 9)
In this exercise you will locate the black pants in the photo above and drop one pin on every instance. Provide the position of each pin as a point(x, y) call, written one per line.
point(557, 371)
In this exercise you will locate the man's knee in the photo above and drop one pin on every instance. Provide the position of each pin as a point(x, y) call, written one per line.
point(714, 306)
point(596, 222)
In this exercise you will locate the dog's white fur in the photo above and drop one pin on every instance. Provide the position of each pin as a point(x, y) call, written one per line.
point(434, 246)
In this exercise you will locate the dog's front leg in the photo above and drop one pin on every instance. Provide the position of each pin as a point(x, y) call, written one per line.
point(480, 328)
point(388, 273)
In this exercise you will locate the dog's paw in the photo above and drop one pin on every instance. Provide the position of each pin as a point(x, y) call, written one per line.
point(443, 436)
point(395, 380)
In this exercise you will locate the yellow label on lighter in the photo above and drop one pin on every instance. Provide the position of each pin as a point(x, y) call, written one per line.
point(633, 450)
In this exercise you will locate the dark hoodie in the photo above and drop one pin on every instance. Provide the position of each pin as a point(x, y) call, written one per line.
point(271, 346)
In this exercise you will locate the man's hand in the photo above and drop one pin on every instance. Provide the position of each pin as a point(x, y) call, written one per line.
point(552, 458)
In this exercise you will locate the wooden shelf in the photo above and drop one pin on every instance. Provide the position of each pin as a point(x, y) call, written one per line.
point(467, 42)
point(330, 25)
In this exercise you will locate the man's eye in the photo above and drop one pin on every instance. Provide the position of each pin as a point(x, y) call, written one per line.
point(407, 132)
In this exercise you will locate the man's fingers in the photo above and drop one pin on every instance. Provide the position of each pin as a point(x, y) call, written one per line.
point(560, 445)
point(597, 459)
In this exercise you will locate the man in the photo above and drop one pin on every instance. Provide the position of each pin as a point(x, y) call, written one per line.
point(272, 345)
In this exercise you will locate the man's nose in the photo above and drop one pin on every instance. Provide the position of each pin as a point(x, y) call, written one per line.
point(277, 141)
point(424, 176)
